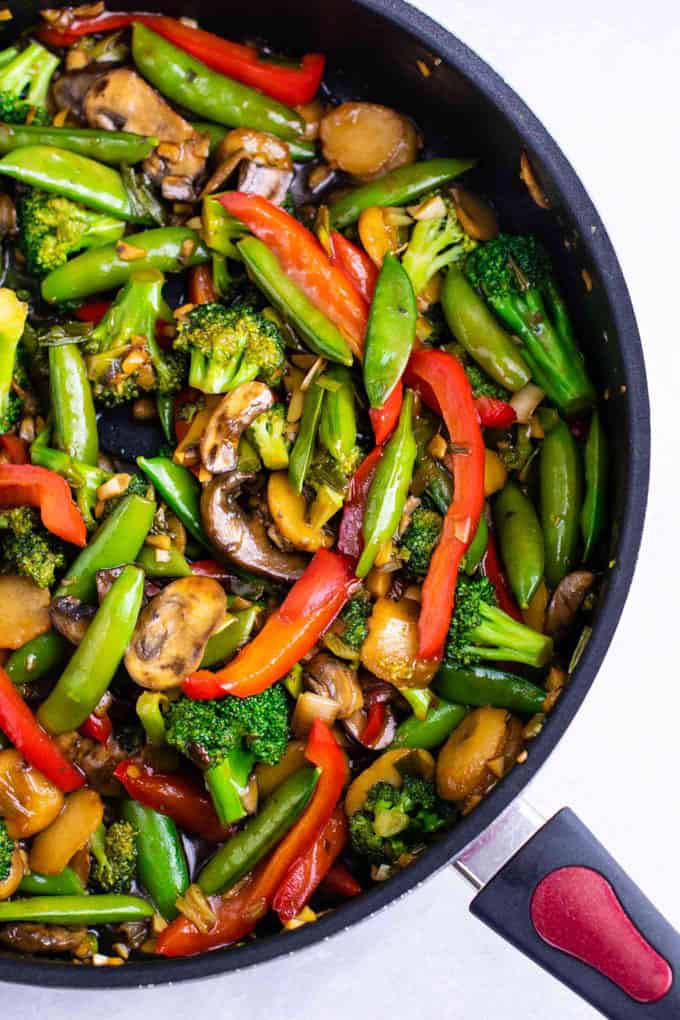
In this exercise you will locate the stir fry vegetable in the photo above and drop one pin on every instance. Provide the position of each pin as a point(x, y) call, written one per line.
point(301, 503)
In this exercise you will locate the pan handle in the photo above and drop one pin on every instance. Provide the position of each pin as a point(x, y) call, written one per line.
point(565, 902)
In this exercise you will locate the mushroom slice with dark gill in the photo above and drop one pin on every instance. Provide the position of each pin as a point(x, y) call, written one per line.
point(242, 538)
point(229, 420)
point(71, 617)
point(264, 162)
point(324, 674)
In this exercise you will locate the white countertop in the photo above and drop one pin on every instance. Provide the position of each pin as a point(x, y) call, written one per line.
point(604, 77)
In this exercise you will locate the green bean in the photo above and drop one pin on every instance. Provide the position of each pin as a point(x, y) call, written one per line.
point(390, 332)
point(107, 146)
point(593, 512)
point(483, 685)
point(521, 542)
point(37, 658)
point(560, 485)
point(161, 862)
point(180, 490)
point(66, 883)
point(431, 731)
point(75, 422)
point(303, 448)
point(76, 910)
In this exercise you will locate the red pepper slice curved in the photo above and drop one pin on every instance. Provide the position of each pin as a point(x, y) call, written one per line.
point(176, 796)
point(339, 882)
point(237, 914)
point(210, 568)
point(28, 485)
point(290, 632)
point(292, 85)
point(305, 876)
point(350, 538)
point(375, 720)
point(305, 262)
point(355, 263)
point(21, 727)
point(92, 311)
point(97, 727)
point(494, 413)
point(441, 381)
point(14, 448)
point(491, 568)
point(384, 419)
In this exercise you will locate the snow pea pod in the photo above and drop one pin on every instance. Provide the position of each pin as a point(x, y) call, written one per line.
point(76, 177)
point(396, 188)
point(389, 488)
point(482, 685)
point(338, 424)
point(180, 490)
point(113, 147)
point(477, 547)
point(169, 249)
point(223, 646)
point(75, 421)
point(476, 329)
point(97, 657)
point(207, 93)
point(390, 332)
point(431, 731)
point(88, 910)
point(521, 541)
point(240, 854)
point(303, 448)
point(319, 333)
point(300, 151)
point(37, 658)
point(173, 563)
point(161, 862)
point(66, 883)
point(594, 504)
point(560, 501)
point(116, 541)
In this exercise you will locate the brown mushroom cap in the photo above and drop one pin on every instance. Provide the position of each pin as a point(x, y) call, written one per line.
point(324, 674)
point(71, 617)
point(229, 420)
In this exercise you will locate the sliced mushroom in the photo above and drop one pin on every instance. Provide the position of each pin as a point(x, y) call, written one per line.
point(25, 610)
point(476, 216)
point(29, 802)
point(17, 868)
point(266, 167)
point(71, 617)
point(242, 539)
point(366, 139)
point(566, 602)
point(26, 937)
point(479, 752)
point(266, 181)
point(229, 420)
point(173, 630)
point(324, 674)
point(390, 650)
point(97, 761)
point(70, 90)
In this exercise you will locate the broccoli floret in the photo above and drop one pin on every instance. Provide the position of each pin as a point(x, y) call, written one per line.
point(6, 852)
point(394, 821)
point(226, 736)
point(419, 541)
point(434, 244)
point(267, 433)
point(515, 276)
point(13, 314)
point(52, 228)
point(115, 857)
point(480, 631)
point(330, 483)
point(124, 359)
point(354, 619)
point(28, 548)
point(137, 486)
point(230, 346)
point(483, 385)
point(24, 84)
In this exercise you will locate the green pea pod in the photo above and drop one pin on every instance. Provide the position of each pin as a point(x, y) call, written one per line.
point(482, 685)
point(431, 731)
point(207, 93)
point(180, 490)
point(169, 249)
point(477, 547)
point(75, 422)
point(117, 541)
point(397, 188)
point(76, 910)
point(66, 883)
point(300, 151)
point(83, 180)
point(113, 147)
point(161, 862)
point(390, 332)
point(37, 658)
point(240, 854)
point(165, 404)
point(338, 425)
point(96, 659)
point(319, 333)
point(476, 329)
point(560, 488)
point(223, 645)
point(594, 504)
point(521, 541)
point(305, 441)
point(173, 564)
point(389, 488)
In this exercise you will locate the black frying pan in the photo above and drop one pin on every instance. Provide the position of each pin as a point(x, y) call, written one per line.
point(541, 886)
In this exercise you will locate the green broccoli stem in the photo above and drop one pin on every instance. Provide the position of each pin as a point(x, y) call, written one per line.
point(227, 783)
point(32, 70)
point(503, 639)
point(210, 375)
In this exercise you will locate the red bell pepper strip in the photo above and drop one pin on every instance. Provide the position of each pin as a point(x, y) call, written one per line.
point(92, 311)
point(384, 419)
point(305, 262)
point(20, 726)
point(355, 263)
point(375, 720)
point(201, 286)
point(307, 873)
point(28, 485)
point(494, 413)
point(441, 381)
point(176, 796)
point(339, 882)
point(14, 448)
point(290, 632)
point(491, 568)
point(97, 727)
point(350, 538)
point(210, 568)
point(236, 915)
point(292, 85)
